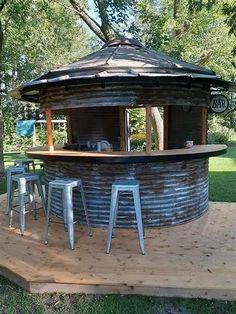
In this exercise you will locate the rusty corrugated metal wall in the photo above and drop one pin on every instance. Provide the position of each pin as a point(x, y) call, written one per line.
point(184, 126)
point(171, 192)
point(95, 124)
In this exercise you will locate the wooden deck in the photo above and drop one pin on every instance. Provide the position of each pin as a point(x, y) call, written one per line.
point(197, 259)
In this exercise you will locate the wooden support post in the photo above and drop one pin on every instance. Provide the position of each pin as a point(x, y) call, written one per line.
point(204, 126)
point(122, 128)
point(34, 137)
point(166, 126)
point(49, 129)
point(68, 127)
point(148, 129)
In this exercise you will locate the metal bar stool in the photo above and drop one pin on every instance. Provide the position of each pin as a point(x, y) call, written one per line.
point(125, 186)
point(67, 186)
point(25, 184)
point(25, 163)
point(10, 172)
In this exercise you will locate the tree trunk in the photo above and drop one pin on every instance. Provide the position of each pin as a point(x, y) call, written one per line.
point(176, 9)
point(2, 172)
point(105, 32)
point(157, 124)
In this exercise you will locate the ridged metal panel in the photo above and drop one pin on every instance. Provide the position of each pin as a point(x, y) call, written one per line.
point(95, 124)
point(184, 126)
point(115, 94)
point(171, 192)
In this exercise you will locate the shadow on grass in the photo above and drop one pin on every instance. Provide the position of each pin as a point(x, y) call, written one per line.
point(231, 153)
point(11, 157)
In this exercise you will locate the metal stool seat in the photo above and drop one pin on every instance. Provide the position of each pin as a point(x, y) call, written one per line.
point(25, 184)
point(67, 186)
point(125, 186)
point(25, 163)
point(10, 172)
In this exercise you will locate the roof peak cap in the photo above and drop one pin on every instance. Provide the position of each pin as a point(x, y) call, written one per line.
point(123, 42)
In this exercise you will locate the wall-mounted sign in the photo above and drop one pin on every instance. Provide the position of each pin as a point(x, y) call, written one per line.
point(218, 104)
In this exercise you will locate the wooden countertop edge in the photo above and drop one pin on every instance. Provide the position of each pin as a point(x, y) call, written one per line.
point(60, 154)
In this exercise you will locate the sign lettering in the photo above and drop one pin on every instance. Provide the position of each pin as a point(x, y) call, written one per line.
point(218, 104)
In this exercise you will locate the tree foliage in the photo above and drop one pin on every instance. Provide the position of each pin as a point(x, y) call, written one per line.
point(229, 8)
point(195, 31)
point(112, 16)
point(38, 35)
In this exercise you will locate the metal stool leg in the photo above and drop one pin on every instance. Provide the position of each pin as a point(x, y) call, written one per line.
point(116, 209)
point(9, 182)
point(22, 191)
point(113, 209)
point(47, 215)
point(30, 191)
point(137, 206)
point(33, 165)
point(85, 209)
point(63, 195)
point(68, 209)
point(10, 172)
point(11, 204)
point(41, 194)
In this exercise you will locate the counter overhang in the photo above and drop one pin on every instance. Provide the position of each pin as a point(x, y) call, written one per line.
point(173, 155)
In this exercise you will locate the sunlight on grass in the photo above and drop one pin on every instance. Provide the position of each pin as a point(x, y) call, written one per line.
point(222, 177)
point(226, 162)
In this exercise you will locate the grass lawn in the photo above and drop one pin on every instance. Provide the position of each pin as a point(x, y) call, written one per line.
point(9, 159)
point(222, 187)
point(222, 177)
point(14, 300)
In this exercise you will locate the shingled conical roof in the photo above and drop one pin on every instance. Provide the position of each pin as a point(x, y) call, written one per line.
point(121, 60)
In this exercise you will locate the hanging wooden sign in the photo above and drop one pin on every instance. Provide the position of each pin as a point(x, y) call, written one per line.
point(219, 103)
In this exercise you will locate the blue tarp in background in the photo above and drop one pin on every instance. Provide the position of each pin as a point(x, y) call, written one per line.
point(25, 127)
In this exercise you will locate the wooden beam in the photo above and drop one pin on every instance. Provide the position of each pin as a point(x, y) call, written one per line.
point(204, 126)
point(166, 126)
point(148, 129)
point(49, 129)
point(122, 128)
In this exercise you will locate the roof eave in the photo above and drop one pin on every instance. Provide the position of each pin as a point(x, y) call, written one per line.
point(22, 92)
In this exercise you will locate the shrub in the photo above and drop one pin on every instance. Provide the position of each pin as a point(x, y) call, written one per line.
point(18, 143)
point(138, 141)
point(218, 133)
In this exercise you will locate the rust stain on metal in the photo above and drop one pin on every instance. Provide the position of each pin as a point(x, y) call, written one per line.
point(171, 192)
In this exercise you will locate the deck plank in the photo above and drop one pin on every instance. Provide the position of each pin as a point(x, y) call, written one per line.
point(197, 259)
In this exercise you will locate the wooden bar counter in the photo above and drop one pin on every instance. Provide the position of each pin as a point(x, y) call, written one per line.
point(173, 183)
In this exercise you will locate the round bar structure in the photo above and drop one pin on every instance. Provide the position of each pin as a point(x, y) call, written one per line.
point(173, 183)
point(96, 94)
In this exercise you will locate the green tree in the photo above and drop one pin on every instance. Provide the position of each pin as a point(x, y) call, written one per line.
point(200, 32)
point(195, 31)
point(112, 16)
point(2, 4)
point(38, 36)
point(229, 9)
